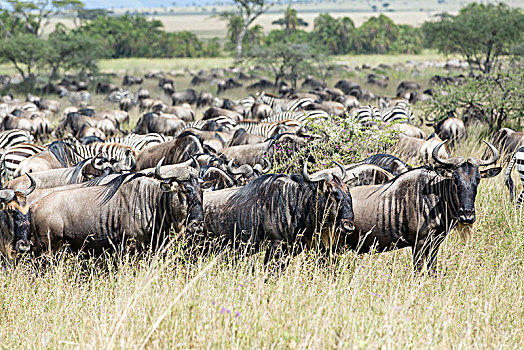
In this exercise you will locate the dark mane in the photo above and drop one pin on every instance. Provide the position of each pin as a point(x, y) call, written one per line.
point(64, 152)
point(388, 184)
point(78, 171)
point(109, 190)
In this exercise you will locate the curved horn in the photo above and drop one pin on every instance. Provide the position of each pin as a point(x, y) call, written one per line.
point(196, 165)
point(493, 159)
point(157, 169)
point(93, 162)
point(268, 166)
point(326, 177)
point(31, 188)
point(436, 158)
point(343, 176)
point(231, 170)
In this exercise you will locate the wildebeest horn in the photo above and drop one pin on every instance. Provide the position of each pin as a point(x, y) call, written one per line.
point(93, 162)
point(326, 177)
point(268, 166)
point(31, 188)
point(230, 168)
point(196, 164)
point(439, 160)
point(245, 169)
point(157, 168)
point(6, 195)
point(342, 168)
point(493, 159)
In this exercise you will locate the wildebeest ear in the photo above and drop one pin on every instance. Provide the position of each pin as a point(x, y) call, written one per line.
point(490, 172)
point(444, 172)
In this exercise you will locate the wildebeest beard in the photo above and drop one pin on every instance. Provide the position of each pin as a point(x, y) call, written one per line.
point(22, 233)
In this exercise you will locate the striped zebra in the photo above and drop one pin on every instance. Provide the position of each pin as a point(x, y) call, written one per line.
point(365, 114)
point(268, 129)
point(518, 158)
point(301, 116)
point(112, 151)
point(283, 104)
point(400, 112)
point(13, 137)
point(117, 96)
point(139, 142)
point(76, 98)
point(14, 155)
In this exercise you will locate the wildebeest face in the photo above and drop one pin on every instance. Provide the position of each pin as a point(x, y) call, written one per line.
point(466, 178)
point(340, 204)
point(14, 204)
point(190, 193)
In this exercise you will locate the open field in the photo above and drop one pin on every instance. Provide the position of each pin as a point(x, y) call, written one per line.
point(164, 300)
point(368, 301)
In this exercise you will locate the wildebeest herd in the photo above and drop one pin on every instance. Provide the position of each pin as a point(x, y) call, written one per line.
point(97, 187)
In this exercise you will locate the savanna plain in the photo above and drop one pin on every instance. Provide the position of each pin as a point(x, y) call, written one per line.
point(167, 300)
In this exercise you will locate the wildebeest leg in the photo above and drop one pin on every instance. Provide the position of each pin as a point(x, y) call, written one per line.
point(425, 252)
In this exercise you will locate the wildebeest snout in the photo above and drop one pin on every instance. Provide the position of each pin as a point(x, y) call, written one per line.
point(196, 227)
point(347, 225)
point(466, 216)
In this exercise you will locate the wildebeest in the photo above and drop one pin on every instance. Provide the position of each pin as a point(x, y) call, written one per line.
point(452, 129)
point(161, 124)
point(508, 140)
point(131, 209)
point(281, 209)
point(387, 162)
point(14, 221)
point(416, 149)
point(83, 171)
point(175, 151)
point(189, 95)
point(419, 208)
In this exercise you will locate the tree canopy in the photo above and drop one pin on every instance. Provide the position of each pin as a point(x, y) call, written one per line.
point(481, 33)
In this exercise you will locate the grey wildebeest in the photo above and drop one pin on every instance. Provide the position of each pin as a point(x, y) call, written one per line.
point(131, 209)
point(419, 208)
point(14, 221)
point(282, 210)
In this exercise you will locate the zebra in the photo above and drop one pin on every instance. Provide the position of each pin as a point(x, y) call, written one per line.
point(76, 98)
point(139, 142)
point(283, 104)
point(117, 96)
point(518, 158)
point(112, 151)
point(300, 116)
point(266, 129)
point(13, 137)
point(14, 155)
point(399, 112)
point(365, 114)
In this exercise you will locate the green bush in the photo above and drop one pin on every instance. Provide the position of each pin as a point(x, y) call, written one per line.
point(342, 139)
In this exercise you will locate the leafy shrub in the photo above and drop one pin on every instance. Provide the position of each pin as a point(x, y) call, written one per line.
point(342, 139)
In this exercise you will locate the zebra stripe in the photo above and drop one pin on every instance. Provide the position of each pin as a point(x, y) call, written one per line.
point(366, 114)
point(116, 96)
point(112, 151)
point(13, 137)
point(400, 112)
point(518, 159)
point(268, 129)
point(14, 155)
point(283, 104)
point(77, 97)
point(301, 116)
point(139, 142)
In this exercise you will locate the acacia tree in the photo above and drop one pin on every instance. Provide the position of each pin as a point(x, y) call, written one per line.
point(480, 33)
point(248, 10)
point(36, 14)
point(25, 52)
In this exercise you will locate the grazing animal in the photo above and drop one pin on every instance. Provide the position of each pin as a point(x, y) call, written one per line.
point(518, 159)
point(419, 208)
point(132, 209)
point(281, 210)
point(14, 221)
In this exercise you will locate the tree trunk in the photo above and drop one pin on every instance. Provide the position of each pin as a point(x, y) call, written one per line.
point(240, 40)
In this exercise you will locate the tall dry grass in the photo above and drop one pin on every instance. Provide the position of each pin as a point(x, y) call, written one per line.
point(350, 301)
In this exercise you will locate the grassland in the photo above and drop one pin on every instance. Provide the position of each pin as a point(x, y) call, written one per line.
point(371, 301)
